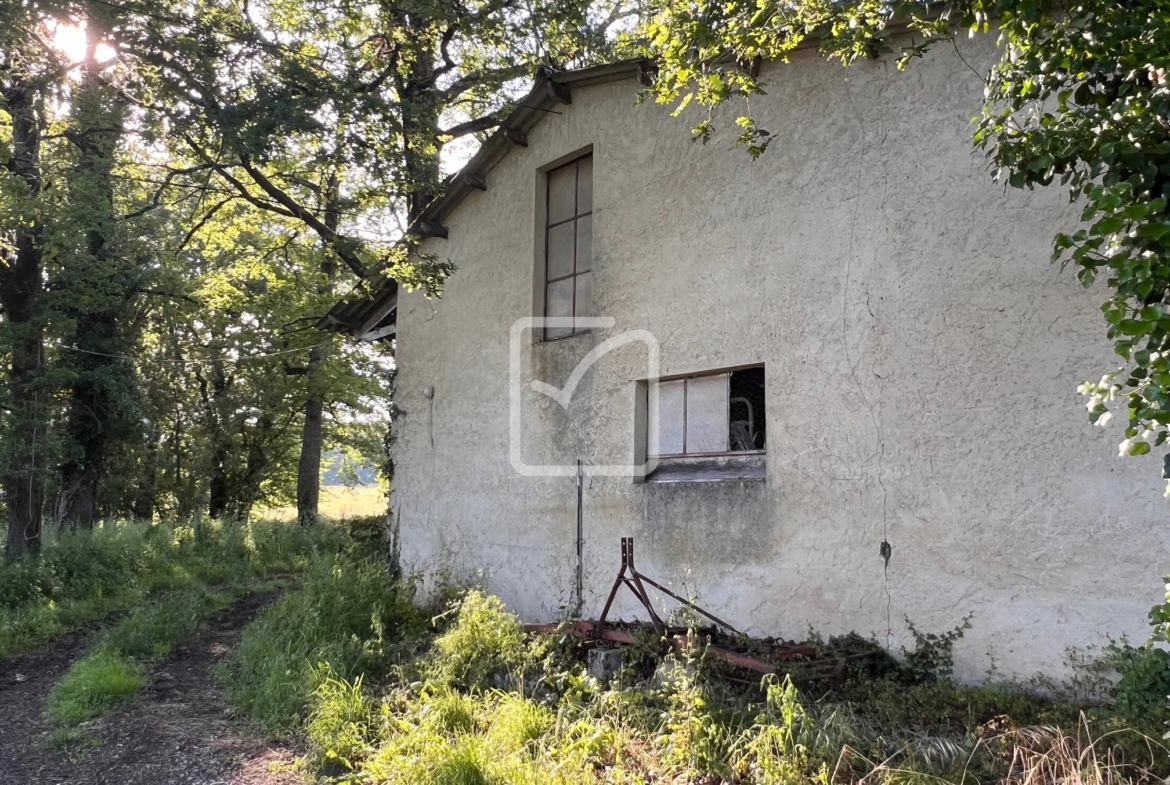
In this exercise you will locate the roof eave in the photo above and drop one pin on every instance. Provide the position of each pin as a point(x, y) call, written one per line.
point(549, 88)
point(528, 112)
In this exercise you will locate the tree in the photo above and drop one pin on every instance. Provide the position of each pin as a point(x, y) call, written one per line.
point(1080, 94)
point(336, 114)
point(184, 197)
point(27, 78)
point(96, 280)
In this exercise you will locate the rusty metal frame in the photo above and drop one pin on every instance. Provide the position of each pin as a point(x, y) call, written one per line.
point(678, 637)
point(632, 579)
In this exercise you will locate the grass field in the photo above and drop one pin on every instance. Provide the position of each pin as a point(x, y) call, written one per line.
point(337, 503)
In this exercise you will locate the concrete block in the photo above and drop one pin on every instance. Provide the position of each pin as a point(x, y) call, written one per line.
point(604, 664)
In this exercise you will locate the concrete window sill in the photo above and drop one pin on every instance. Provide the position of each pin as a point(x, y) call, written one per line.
point(751, 467)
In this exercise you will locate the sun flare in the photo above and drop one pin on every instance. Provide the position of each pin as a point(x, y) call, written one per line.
point(70, 41)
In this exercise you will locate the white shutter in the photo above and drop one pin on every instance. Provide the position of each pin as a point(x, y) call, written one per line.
point(707, 428)
point(668, 414)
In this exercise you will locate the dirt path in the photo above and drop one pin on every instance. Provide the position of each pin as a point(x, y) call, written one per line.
point(176, 731)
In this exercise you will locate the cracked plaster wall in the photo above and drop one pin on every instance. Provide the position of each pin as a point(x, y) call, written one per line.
point(921, 356)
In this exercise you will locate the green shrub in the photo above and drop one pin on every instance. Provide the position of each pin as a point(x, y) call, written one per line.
point(91, 686)
point(932, 658)
point(484, 639)
point(366, 534)
point(889, 729)
point(1143, 690)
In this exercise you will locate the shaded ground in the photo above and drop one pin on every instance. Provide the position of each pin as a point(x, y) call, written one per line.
point(177, 731)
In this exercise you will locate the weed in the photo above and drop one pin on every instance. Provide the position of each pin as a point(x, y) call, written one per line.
point(484, 639)
point(153, 630)
point(339, 722)
point(932, 658)
point(773, 751)
point(1144, 684)
point(518, 724)
point(449, 710)
point(439, 722)
point(463, 762)
point(91, 686)
point(693, 741)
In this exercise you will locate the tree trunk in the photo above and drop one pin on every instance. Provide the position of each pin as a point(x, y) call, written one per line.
point(312, 438)
point(145, 495)
point(246, 489)
point(219, 494)
point(98, 287)
point(21, 291)
point(313, 433)
point(24, 483)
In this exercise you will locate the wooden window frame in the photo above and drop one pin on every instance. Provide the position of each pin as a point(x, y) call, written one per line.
point(738, 466)
point(685, 414)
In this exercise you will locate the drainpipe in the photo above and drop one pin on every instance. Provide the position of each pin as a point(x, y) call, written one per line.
point(580, 588)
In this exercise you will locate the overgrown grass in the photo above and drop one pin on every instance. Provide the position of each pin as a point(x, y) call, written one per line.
point(385, 695)
point(192, 574)
point(348, 620)
point(83, 576)
point(153, 630)
point(93, 685)
point(102, 678)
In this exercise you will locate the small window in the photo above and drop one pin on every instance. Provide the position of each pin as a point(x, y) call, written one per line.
point(568, 244)
point(709, 427)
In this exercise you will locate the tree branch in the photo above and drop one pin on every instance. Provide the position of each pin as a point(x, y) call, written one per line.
point(342, 246)
point(156, 200)
point(485, 123)
point(465, 83)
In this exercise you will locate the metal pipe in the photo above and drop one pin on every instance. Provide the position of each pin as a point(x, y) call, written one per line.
point(580, 588)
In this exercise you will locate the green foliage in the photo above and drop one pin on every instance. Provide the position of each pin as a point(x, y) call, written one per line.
point(519, 724)
point(346, 617)
point(684, 724)
point(367, 534)
point(774, 752)
point(94, 684)
point(1143, 691)
point(112, 670)
point(693, 741)
point(82, 576)
point(451, 710)
point(485, 639)
point(933, 656)
point(340, 721)
point(153, 630)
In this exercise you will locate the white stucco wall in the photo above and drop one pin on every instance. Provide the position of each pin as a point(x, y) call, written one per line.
point(921, 353)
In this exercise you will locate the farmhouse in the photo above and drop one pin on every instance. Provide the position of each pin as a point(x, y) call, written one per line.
point(831, 388)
